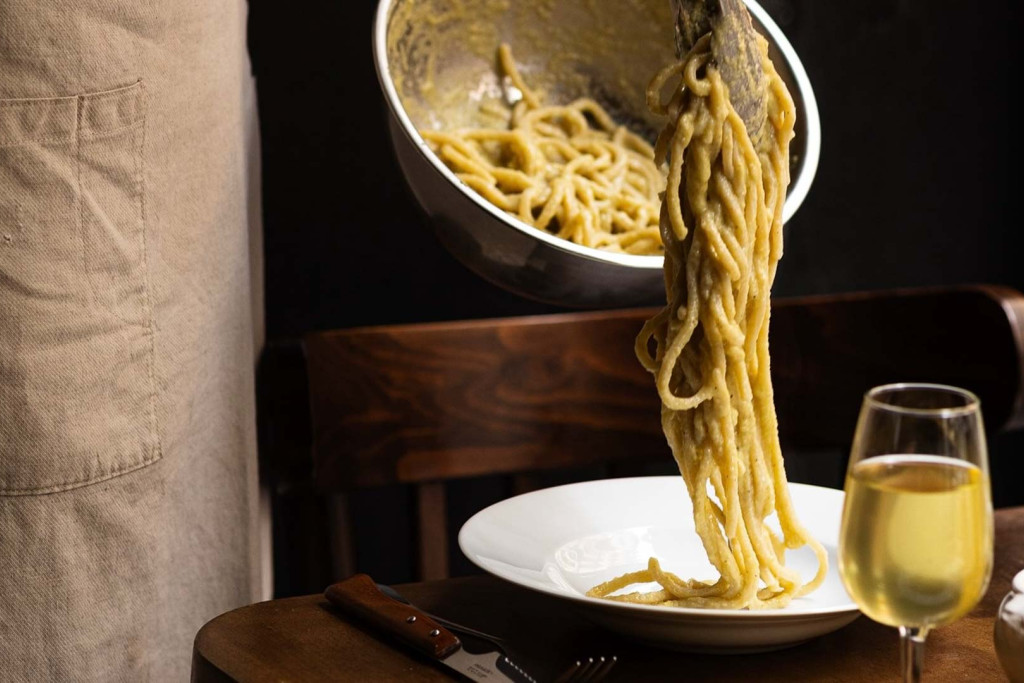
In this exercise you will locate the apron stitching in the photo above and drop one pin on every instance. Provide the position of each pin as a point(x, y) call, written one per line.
point(88, 480)
point(43, 141)
point(79, 197)
point(99, 135)
point(154, 431)
point(116, 92)
point(31, 102)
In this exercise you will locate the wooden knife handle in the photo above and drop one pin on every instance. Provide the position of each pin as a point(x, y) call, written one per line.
point(359, 596)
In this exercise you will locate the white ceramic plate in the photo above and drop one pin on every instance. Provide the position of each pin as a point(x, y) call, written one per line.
point(564, 540)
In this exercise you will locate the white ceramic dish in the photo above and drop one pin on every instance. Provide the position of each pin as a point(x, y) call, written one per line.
point(564, 540)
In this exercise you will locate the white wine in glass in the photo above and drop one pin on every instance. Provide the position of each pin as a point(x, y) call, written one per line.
point(915, 547)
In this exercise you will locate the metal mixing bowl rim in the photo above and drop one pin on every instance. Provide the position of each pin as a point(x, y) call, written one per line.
point(797, 190)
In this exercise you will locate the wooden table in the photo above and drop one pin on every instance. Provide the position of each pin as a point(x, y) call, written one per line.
point(305, 639)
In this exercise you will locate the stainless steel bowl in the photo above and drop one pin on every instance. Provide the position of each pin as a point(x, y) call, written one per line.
point(435, 61)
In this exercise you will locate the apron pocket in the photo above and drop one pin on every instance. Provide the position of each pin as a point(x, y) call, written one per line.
point(77, 392)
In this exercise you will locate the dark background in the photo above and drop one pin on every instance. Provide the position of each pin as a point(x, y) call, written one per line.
point(917, 185)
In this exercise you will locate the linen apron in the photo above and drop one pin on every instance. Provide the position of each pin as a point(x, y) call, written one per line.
point(127, 334)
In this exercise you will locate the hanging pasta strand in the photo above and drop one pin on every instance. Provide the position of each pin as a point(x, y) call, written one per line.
point(721, 223)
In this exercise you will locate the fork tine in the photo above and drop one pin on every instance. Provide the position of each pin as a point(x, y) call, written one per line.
point(571, 674)
point(605, 666)
point(588, 670)
point(567, 675)
point(589, 667)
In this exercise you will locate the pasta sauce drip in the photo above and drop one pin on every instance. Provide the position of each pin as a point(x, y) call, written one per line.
point(721, 223)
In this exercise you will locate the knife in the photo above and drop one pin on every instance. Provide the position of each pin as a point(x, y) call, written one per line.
point(360, 597)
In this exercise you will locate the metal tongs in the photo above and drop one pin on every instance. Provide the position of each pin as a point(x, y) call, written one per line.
point(735, 52)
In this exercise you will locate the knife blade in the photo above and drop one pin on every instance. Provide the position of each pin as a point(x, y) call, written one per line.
point(492, 666)
point(359, 596)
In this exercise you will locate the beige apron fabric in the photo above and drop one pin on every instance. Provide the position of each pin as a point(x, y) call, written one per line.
point(127, 449)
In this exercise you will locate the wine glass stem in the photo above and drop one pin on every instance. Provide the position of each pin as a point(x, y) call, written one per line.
point(912, 652)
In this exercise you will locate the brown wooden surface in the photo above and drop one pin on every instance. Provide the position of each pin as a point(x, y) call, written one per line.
point(306, 639)
point(429, 402)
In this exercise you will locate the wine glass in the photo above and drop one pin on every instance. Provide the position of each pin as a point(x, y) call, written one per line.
point(915, 548)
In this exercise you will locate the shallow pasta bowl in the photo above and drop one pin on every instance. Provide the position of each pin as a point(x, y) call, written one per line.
point(435, 61)
point(564, 540)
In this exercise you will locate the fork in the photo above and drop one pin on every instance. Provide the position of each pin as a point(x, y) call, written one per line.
point(589, 670)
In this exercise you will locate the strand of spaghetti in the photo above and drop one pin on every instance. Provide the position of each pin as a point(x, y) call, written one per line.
point(569, 170)
point(508, 65)
point(721, 223)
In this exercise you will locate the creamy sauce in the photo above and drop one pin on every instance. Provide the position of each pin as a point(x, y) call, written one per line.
point(441, 54)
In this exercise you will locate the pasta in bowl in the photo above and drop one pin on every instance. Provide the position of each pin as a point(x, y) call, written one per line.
point(437, 66)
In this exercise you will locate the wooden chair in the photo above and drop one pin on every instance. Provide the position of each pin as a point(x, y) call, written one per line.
point(424, 404)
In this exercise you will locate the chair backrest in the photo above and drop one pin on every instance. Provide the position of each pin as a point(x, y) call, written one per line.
point(425, 403)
